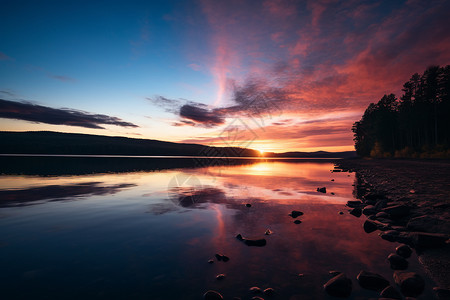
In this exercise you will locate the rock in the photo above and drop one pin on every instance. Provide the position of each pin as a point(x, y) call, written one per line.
point(341, 212)
point(332, 179)
point(425, 224)
point(257, 243)
point(382, 214)
point(220, 276)
point(372, 281)
point(411, 284)
point(269, 291)
point(332, 193)
point(369, 210)
point(257, 298)
point(404, 251)
point(255, 290)
point(397, 262)
point(396, 236)
point(354, 203)
point(252, 242)
point(334, 273)
point(248, 205)
point(390, 293)
point(357, 212)
point(397, 211)
point(212, 295)
point(210, 261)
point(295, 214)
point(268, 232)
point(339, 286)
point(221, 257)
point(428, 240)
point(441, 293)
point(322, 190)
point(297, 221)
point(370, 226)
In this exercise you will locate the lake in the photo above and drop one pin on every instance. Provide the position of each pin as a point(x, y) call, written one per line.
point(74, 228)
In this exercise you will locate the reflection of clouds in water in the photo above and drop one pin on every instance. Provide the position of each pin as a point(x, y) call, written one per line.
point(36, 195)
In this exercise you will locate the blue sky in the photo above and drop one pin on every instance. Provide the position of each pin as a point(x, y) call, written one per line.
point(320, 63)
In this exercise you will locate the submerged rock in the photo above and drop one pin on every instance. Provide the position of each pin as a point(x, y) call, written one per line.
point(372, 281)
point(210, 261)
point(268, 232)
point(220, 276)
point(221, 257)
point(252, 242)
point(390, 293)
point(255, 290)
point(322, 190)
point(411, 284)
point(370, 226)
point(297, 221)
point(269, 291)
point(357, 212)
point(404, 251)
point(354, 203)
point(212, 295)
point(339, 286)
point(248, 205)
point(295, 214)
point(397, 262)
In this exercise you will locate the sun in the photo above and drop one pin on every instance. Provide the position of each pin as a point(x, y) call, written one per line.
point(261, 152)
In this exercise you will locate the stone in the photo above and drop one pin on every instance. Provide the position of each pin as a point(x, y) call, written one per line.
point(248, 205)
point(332, 193)
point(411, 284)
point(269, 291)
point(370, 226)
point(428, 240)
point(212, 295)
point(390, 293)
point(322, 190)
point(441, 293)
point(220, 276)
point(372, 281)
point(369, 210)
point(332, 179)
point(397, 211)
point(339, 286)
point(396, 236)
point(404, 251)
point(334, 273)
point(341, 212)
point(297, 221)
point(257, 298)
point(225, 258)
point(397, 262)
point(218, 256)
point(354, 203)
point(268, 232)
point(255, 290)
point(357, 212)
point(210, 261)
point(382, 215)
point(295, 214)
point(425, 224)
point(221, 257)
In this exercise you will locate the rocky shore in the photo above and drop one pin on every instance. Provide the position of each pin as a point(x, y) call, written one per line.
point(408, 201)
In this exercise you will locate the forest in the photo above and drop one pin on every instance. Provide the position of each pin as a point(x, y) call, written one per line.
point(415, 126)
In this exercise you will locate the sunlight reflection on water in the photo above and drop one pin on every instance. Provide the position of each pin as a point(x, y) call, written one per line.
point(144, 235)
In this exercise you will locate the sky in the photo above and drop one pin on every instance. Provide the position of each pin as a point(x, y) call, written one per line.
point(272, 75)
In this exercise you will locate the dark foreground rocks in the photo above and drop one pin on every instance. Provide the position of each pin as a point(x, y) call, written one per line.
point(212, 295)
point(252, 242)
point(408, 200)
point(339, 286)
point(372, 281)
point(411, 284)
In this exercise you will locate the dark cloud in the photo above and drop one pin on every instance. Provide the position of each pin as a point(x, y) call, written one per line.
point(64, 116)
point(201, 116)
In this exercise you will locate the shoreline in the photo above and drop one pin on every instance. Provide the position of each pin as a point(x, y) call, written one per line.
point(422, 189)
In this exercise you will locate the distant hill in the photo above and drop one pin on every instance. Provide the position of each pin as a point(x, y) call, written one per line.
point(48, 142)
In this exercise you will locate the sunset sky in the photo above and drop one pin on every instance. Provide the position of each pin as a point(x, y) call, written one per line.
point(268, 75)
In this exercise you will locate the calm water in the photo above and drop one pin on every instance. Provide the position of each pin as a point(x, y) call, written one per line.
point(149, 234)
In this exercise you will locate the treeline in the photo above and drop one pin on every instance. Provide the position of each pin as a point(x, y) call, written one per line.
point(417, 125)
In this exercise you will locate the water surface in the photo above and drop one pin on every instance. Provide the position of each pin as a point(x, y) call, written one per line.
point(148, 234)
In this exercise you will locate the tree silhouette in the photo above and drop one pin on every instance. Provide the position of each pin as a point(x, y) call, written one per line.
point(417, 125)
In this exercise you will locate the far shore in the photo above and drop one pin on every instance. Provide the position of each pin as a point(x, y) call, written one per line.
point(421, 185)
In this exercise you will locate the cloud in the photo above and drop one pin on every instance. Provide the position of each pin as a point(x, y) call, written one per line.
point(63, 116)
point(201, 116)
point(3, 56)
point(62, 78)
point(195, 67)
